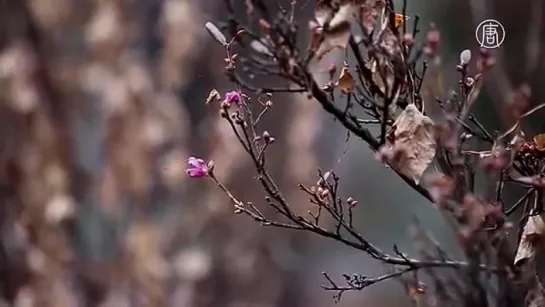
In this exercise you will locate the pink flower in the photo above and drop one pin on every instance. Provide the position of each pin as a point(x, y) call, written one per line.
point(197, 168)
point(233, 97)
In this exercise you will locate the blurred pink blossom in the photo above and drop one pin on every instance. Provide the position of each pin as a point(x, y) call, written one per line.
point(233, 97)
point(197, 168)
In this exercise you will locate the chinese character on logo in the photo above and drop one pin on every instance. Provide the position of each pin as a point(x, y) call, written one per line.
point(490, 34)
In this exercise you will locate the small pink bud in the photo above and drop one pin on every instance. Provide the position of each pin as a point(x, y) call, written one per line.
point(197, 168)
point(485, 53)
point(233, 97)
point(434, 37)
point(490, 62)
point(428, 51)
point(408, 39)
point(264, 25)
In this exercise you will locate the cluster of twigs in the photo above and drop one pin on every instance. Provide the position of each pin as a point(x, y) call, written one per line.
point(384, 88)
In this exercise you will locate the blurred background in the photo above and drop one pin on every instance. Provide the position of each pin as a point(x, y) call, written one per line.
point(101, 103)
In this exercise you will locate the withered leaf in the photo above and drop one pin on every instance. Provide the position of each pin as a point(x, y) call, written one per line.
point(399, 20)
point(385, 73)
point(389, 43)
point(346, 82)
point(336, 38)
point(532, 232)
point(214, 95)
point(325, 12)
point(539, 140)
point(337, 32)
point(414, 137)
point(370, 11)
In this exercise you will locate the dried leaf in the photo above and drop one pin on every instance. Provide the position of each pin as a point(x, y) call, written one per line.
point(389, 43)
point(399, 20)
point(346, 82)
point(214, 95)
point(539, 140)
point(533, 230)
point(385, 73)
point(324, 12)
point(370, 11)
point(336, 38)
point(216, 33)
point(414, 137)
point(337, 32)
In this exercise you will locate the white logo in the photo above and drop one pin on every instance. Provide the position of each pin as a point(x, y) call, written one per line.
point(490, 34)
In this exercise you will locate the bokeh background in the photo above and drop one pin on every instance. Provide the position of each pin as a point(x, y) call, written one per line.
point(102, 101)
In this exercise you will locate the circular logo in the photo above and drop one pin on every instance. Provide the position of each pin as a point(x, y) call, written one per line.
point(490, 34)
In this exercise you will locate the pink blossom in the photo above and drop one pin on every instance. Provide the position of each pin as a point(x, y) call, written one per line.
point(233, 97)
point(197, 168)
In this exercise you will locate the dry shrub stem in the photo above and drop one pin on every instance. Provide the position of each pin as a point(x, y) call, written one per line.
point(385, 85)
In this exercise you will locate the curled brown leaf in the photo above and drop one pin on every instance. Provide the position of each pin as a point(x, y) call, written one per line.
point(382, 74)
point(332, 27)
point(400, 20)
point(531, 236)
point(346, 82)
point(414, 137)
point(369, 12)
point(539, 141)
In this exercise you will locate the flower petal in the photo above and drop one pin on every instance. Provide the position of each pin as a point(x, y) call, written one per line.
point(196, 172)
point(194, 162)
point(233, 97)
